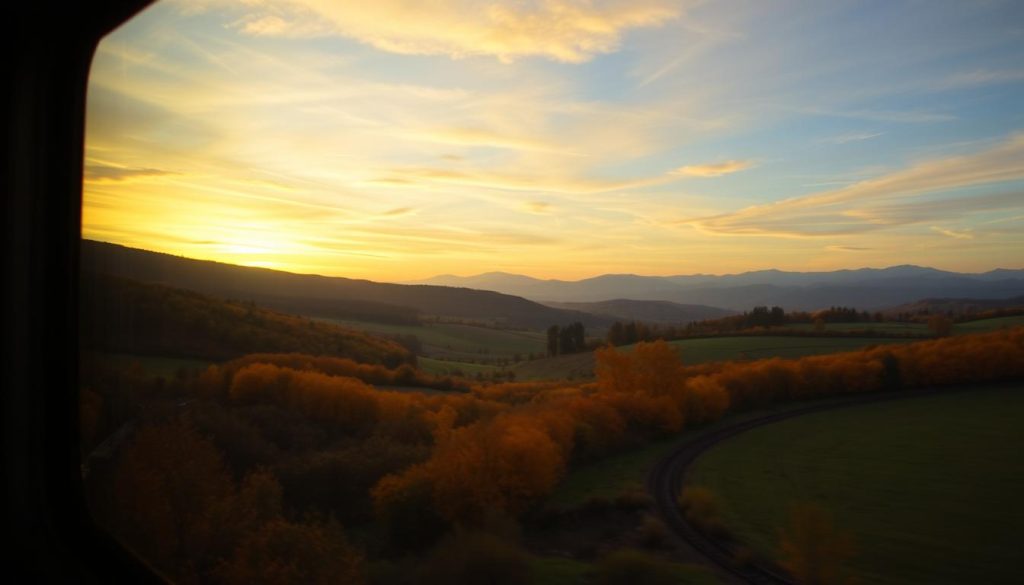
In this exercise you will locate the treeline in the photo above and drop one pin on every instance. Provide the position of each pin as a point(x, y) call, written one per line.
point(990, 314)
point(120, 315)
point(516, 457)
point(344, 309)
point(567, 339)
point(409, 468)
point(755, 321)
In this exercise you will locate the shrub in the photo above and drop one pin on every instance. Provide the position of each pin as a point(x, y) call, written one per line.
point(812, 549)
point(633, 499)
point(699, 506)
point(653, 533)
point(470, 558)
point(632, 567)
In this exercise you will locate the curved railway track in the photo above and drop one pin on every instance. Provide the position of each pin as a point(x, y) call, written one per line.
point(667, 477)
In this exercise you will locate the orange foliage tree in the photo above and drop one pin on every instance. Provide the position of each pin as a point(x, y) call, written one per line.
point(812, 549)
point(179, 509)
point(505, 446)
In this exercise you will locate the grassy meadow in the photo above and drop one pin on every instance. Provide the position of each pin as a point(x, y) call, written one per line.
point(890, 328)
point(993, 324)
point(707, 349)
point(459, 342)
point(926, 486)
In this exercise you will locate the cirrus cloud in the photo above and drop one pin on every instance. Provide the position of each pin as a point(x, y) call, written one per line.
point(713, 169)
point(909, 196)
point(570, 31)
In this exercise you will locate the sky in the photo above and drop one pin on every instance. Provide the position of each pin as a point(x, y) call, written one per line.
point(395, 140)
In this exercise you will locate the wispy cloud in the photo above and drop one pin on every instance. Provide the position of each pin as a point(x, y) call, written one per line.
point(102, 172)
point(848, 248)
point(891, 199)
point(419, 176)
point(561, 30)
point(980, 77)
point(959, 235)
point(289, 122)
point(487, 138)
point(854, 137)
point(538, 207)
point(398, 211)
point(713, 169)
point(907, 116)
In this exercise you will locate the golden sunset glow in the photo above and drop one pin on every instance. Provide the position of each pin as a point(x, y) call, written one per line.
point(563, 139)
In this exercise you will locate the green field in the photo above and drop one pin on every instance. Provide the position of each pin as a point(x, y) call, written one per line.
point(709, 349)
point(921, 329)
point(928, 487)
point(627, 471)
point(448, 368)
point(989, 324)
point(457, 342)
point(886, 327)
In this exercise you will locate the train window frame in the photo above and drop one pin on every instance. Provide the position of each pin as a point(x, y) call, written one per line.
point(50, 51)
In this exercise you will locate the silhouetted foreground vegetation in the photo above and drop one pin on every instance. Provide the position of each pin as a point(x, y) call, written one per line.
point(403, 470)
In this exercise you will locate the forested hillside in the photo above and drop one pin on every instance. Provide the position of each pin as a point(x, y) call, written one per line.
point(321, 296)
point(121, 315)
point(407, 472)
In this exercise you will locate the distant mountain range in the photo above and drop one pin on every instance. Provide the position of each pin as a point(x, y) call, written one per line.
point(521, 301)
point(865, 289)
point(322, 296)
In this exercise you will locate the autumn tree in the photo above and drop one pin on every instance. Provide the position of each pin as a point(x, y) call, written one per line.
point(616, 334)
point(812, 549)
point(940, 325)
point(653, 368)
point(171, 486)
point(502, 464)
point(554, 337)
point(282, 552)
point(475, 557)
point(699, 506)
point(179, 508)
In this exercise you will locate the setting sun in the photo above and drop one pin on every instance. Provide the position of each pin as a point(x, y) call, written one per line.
point(561, 139)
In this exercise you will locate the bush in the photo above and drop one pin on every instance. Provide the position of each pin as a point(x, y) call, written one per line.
point(468, 558)
point(653, 533)
point(596, 505)
point(632, 567)
point(633, 499)
point(812, 549)
point(699, 506)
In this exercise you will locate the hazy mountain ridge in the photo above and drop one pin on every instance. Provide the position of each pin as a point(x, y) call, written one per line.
point(321, 296)
point(864, 288)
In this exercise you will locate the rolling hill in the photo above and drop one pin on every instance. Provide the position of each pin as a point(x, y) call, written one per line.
point(864, 289)
point(956, 306)
point(125, 316)
point(322, 296)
